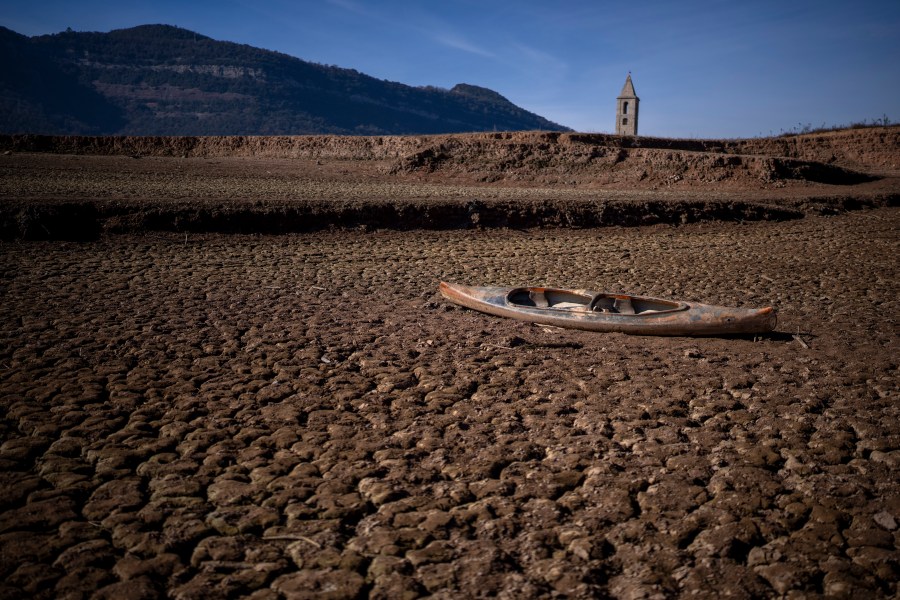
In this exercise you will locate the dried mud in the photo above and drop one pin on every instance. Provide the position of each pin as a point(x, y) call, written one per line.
point(191, 414)
point(302, 416)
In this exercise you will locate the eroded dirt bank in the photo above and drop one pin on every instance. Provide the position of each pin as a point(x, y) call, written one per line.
point(217, 416)
point(864, 149)
point(79, 188)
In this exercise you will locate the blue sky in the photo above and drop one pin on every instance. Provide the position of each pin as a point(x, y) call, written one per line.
point(702, 68)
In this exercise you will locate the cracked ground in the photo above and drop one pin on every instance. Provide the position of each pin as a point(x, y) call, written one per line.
point(210, 416)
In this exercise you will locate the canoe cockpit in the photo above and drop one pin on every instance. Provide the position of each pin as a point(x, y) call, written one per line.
point(599, 303)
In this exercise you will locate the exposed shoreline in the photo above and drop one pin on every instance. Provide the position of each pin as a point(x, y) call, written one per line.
point(81, 187)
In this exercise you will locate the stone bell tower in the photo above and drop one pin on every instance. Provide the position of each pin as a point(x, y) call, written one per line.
point(627, 110)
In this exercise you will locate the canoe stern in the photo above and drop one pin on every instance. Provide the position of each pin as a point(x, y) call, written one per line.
point(724, 320)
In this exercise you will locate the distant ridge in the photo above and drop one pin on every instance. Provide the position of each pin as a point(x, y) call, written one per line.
point(165, 80)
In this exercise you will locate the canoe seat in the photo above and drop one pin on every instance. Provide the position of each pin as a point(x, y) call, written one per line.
point(539, 299)
point(623, 306)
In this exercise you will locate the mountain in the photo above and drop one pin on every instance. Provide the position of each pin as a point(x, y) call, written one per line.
point(41, 95)
point(164, 80)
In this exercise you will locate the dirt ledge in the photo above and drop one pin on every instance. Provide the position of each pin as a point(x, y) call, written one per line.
point(88, 220)
point(78, 188)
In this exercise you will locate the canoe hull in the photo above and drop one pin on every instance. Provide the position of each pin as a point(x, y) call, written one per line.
point(674, 318)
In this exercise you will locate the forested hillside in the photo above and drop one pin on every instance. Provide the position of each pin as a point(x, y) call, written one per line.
point(163, 80)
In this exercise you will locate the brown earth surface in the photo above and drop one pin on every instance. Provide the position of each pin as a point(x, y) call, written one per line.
point(202, 415)
point(78, 188)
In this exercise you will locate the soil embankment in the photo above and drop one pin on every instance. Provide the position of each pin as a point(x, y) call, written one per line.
point(866, 148)
point(80, 187)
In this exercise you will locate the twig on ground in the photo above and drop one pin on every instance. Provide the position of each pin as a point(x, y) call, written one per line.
point(797, 337)
point(293, 538)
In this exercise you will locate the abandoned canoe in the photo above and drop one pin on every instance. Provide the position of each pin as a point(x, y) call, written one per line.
point(599, 311)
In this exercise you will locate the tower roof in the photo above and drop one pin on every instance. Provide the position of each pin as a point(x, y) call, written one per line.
point(628, 89)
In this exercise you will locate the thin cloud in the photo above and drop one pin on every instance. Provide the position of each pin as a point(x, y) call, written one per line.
point(539, 58)
point(419, 25)
point(458, 43)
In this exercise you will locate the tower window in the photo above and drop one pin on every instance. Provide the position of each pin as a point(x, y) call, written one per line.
point(624, 108)
point(624, 121)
